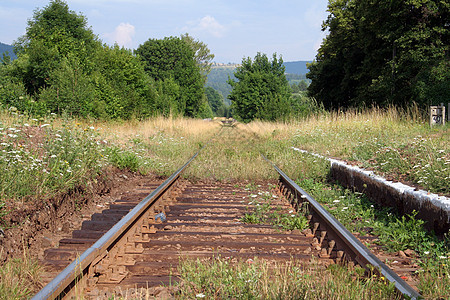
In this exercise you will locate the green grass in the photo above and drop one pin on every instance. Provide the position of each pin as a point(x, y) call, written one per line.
point(391, 143)
point(50, 160)
point(39, 161)
point(263, 210)
point(19, 278)
point(357, 213)
point(221, 278)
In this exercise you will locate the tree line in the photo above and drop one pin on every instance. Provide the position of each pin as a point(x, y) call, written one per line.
point(376, 53)
point(383, 52)
point(62, 67)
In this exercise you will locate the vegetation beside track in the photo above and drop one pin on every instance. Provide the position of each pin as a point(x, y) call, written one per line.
point(161, 145)
point(222, 278)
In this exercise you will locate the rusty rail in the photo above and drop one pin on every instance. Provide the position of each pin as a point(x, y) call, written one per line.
point(338, 236)
point(77, 272)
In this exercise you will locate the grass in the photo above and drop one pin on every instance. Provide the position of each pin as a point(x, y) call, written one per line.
point(221, 278)
point(39, 161)
point(50, 156)
point(19, 278)
point(264, 210)
point(392, 142)
point(159, 145)
point(394, 233)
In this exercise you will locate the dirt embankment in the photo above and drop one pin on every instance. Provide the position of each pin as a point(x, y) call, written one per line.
point(35, 225)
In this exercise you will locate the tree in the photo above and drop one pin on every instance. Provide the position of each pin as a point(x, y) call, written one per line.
point(64, 66)
point(171, 57)
point(261, 90)
point(202, 54)
point(215, 100)
point(302, 86)
point(53, 34)
point(383, 52)
point(122, 86)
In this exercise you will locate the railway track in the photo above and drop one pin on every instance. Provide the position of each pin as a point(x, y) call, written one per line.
point(138, 243)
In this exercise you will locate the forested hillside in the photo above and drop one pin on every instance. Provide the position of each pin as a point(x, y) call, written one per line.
point(217, 78)
point(7, 49)
point(296, 67)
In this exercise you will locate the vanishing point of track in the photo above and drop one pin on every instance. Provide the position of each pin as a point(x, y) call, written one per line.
point(139, 240)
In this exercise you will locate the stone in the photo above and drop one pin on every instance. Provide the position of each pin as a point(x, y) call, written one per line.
point(296, 231)
point(307, 232)
point(66, 227)
point(410, 253)
point(46, 242)
point(401, 254)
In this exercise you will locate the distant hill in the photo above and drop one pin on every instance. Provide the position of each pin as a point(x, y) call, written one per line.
point(7, 48)
point(296, 67)
point(217, 78)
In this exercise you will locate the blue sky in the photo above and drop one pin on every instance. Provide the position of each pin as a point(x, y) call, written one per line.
point(232, 29)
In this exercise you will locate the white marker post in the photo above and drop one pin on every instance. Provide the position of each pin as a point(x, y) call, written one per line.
point(437, 115)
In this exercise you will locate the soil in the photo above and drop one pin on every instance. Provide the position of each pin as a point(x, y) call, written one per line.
point(36, 225)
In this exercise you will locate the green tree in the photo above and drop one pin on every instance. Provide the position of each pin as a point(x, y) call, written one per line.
point(302, 86)
point(383, 52)
point(202, 54)
point(261, 90)
point(54, 33)
point(205, 111)
point(171, 57)
point(63, 65)
point(215, 100)
point(122, 84)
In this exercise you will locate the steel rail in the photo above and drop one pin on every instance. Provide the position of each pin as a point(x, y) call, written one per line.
point(360, 252)
point(57, 288)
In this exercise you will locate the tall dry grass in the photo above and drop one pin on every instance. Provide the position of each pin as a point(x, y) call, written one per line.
point(173, 126)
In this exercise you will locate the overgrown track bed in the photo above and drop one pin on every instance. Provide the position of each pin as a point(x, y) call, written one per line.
point(190, 220)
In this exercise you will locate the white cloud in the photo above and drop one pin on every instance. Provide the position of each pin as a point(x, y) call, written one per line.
point(206, 24)
point(122, 35)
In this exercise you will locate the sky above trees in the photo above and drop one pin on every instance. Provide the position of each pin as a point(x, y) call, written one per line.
point(232, 29)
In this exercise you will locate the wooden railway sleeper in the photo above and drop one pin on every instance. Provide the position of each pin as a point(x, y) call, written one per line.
point(326, 250)
point(111, 267)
